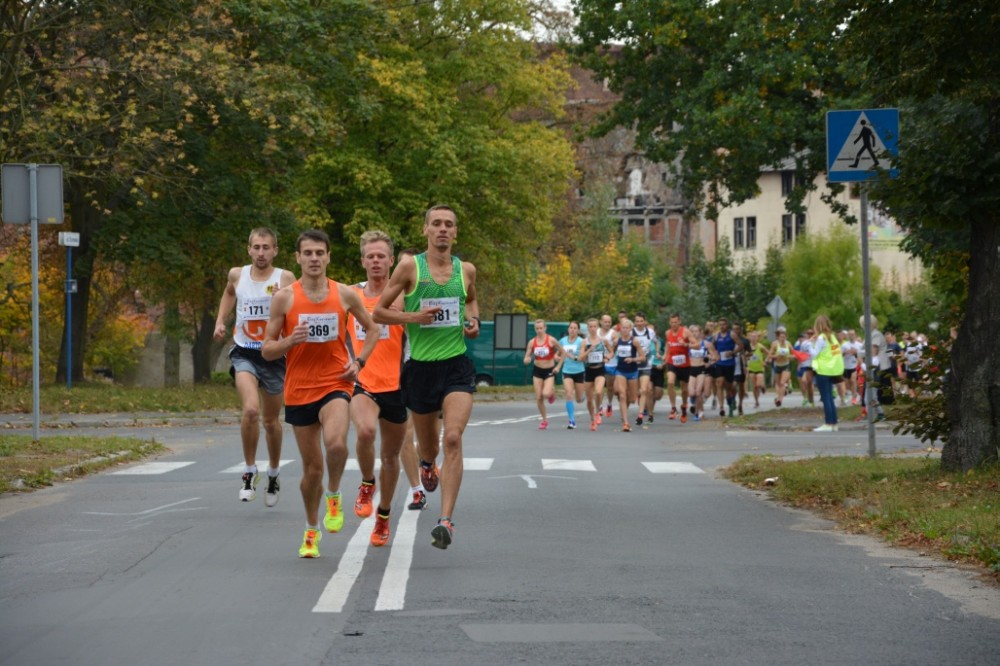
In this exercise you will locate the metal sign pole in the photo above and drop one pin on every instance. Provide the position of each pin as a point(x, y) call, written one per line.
point(870, 389)
point(36, 357)
point(69, 317)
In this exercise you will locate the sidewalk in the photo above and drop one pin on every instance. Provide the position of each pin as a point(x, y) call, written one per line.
point(790, 417)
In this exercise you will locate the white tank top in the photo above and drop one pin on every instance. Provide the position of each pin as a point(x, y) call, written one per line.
point(253, 307)
point(613, 362)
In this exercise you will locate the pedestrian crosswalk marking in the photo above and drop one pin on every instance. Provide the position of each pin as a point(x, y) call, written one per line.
point(152, 468)
point(672, 468)
point(261, 467)
point(568, 465)
point(469, 464)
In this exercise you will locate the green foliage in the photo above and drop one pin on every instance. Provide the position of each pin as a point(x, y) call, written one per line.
point(926, 416)
point(822, 275)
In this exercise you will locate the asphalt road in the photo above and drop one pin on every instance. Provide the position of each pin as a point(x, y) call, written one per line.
point(571, 547)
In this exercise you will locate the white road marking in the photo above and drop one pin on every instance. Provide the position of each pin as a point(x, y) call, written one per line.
point(392, 592)
point(568, 465)
point(530, 479)
point(477, 464)
point(672, 468)
point(152, 468)
point(148, 511)
point(338, 588)
point(261, 467)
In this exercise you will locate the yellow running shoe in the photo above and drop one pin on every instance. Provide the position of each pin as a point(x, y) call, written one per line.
point(334, 520)
point(380, 535)
point(310, 543)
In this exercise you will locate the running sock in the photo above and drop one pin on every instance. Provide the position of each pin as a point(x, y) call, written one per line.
point(417, 488)
point(273, 471)
point(571, 410)
point(336, 494)
point(383, 513)
point(368, 482)
point(250, 469)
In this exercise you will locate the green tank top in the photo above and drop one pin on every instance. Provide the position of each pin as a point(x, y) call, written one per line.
point(444, 338)
point(756, 362)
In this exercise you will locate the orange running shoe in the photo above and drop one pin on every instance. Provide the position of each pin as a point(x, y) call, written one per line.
point(684, 417)
point(429, 476)
point(380, 534)
point(626, 427)
point(593, 426)
point(363, 505)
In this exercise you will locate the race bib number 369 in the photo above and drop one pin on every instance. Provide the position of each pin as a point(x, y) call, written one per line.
point(322, 327)
point(448, 315)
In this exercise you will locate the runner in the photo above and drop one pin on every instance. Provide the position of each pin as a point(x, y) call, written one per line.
point(308, 326)
point(377, 401)
point(728, 347)
point(755, 366)
point(408, 454)
point(610, 337)
point(740, 373)
point(630, 356)
point(546, 353)
point(781, 355)
point(853, 350)
point(701, 354)
point(805, 371)
point(657, 376)
point(259, 383)
point(439, 293)
point(645, 336)
point(596, 353)
point(678, 366)
point(573, 370)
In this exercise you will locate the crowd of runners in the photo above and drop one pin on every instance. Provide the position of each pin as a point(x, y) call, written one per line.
point(627, 367)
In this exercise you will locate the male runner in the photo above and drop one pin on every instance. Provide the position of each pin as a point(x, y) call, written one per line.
point(678, 366)
point(377, 400)
point(308, 326)
point(259, 382)
point(439, 292)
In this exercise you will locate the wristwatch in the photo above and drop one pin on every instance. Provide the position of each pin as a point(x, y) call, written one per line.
point(361, 363)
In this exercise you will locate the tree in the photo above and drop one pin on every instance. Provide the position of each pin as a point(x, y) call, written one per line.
point(728, 87)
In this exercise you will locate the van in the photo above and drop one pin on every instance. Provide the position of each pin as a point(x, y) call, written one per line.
point(498, 351)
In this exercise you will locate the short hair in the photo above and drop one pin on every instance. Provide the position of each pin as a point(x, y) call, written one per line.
point(640, 314)
point(427, 215)
point(317, 235)
point(375, 235)
point(539, 321)
point(263, 231)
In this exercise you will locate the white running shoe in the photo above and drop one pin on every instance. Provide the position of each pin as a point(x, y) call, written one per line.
point(273, 488)
point(248, 491)
point(826, 427)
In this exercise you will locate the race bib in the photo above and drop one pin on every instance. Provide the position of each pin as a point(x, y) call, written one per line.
point(595, 357)
point(256, 308)
point(678, 359)
point(725, 356)
point(322, 327)
point(359, 331)
point(697, 353)
point(542, 352)
point(624, 352)
point(447, 316)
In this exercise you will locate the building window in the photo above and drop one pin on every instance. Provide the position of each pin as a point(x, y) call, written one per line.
point(737, 232)
point(751, 232)
point(800, 225)
point(787, 182)
point(786, 230)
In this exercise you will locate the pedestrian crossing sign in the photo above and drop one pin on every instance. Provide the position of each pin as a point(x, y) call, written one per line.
point(861, 143)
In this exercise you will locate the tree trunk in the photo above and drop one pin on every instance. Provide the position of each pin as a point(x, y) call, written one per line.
point(201, 351)
point(973, 389)
point(85, 221)
point(171, 345)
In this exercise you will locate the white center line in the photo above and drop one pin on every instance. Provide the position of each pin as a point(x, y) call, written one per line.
point(337, 590)
point(392, 592)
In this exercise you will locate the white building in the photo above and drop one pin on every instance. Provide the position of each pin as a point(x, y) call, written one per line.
point(757, 223)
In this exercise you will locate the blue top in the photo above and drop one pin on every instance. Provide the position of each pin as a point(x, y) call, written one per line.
point(627, 349)
point(725, 346)
point(571, 366)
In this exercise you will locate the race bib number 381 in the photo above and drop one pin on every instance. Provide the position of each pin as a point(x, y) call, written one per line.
point(448, 315)
point(322, 327)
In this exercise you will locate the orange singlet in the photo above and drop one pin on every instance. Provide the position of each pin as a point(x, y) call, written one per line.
point(313, 368)
point(677, 349)
point(382, 369)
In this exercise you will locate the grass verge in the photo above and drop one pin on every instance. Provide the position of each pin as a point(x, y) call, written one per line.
point(26, 465)
point(907, 501)
point(102, 398)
